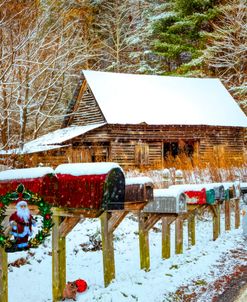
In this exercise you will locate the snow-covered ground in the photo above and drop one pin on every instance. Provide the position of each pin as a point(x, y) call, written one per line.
point(197, 267)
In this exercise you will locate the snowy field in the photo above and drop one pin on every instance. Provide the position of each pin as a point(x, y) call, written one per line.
point(198, 267)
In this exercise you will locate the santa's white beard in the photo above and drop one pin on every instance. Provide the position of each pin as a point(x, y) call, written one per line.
point(23, 213)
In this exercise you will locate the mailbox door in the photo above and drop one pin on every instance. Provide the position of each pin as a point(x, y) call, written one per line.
point(149, 193)
point(210, 196)
point(114, 190)
point(231, 192)
point(219, 193)
point(196, 197)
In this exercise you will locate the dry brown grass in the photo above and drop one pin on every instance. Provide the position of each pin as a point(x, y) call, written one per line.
point(211, 169)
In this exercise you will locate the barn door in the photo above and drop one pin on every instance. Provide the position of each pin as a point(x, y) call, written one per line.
point(142, 154)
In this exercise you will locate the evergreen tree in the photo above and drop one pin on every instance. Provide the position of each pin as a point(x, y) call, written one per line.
point(180, 34)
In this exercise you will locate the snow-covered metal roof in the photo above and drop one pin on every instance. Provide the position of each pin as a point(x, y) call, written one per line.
point(53, 139)
point(31, 149)
point(62, 135)
point(164, 100)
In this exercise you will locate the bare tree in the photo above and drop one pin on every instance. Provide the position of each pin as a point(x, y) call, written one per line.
point(40, 58)
point(116, 23)
point(227, 54)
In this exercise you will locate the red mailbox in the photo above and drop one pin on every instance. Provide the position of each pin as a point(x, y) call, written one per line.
point(90, 186)
point(41, 180)
point(196, 196)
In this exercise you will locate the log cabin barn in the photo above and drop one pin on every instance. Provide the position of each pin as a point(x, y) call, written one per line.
point(144, 121)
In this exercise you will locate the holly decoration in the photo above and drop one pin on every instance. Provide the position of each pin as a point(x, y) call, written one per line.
point(32, 198)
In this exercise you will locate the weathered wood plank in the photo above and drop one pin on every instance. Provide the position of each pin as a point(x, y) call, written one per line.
point(227, 215)
point(67, 225)
point(63, 212)
point(143, 244)
point(215, 214)
point(58, 260)
point(107, 249)
point(166, 236)
point(237, 213)
point(179, 235)
point(151, 220)
point(219, 213)
point(3, 275)
point(115, 219)
point(191, 230)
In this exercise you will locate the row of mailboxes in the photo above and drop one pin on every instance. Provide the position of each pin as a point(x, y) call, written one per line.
point(90, 186)
point(176, 198)
point(103, 186)
point(208, 193)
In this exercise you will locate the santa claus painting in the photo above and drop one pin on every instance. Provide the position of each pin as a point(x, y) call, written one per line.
point(21, 222)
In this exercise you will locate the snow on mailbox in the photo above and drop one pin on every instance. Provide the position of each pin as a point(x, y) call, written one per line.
point(167, 201)
point(40, 180)
point(91, 186)
point(138, 189)
point(195, 193)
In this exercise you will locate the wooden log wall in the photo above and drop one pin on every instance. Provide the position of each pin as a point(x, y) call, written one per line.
point(88, 111)
point(226, 142)
point(225, 145)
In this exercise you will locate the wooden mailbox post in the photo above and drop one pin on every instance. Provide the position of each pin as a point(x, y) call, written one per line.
point(3, 276)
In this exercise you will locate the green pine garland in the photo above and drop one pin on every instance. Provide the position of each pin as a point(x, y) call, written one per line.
point(31, 198)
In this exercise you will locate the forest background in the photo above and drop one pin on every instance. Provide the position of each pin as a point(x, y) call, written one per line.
point(45, 44)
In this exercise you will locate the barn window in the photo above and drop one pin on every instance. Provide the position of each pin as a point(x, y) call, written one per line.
point(171, 149)
point(175, 148)
point(141, 154)
point(189, 148)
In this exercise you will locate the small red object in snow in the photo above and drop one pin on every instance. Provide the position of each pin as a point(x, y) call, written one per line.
point(81, 285)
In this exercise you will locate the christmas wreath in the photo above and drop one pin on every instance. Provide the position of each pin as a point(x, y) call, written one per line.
point(32, 198)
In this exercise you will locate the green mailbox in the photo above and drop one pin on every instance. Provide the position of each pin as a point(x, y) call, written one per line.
point(227, 194)
point(210, 196)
